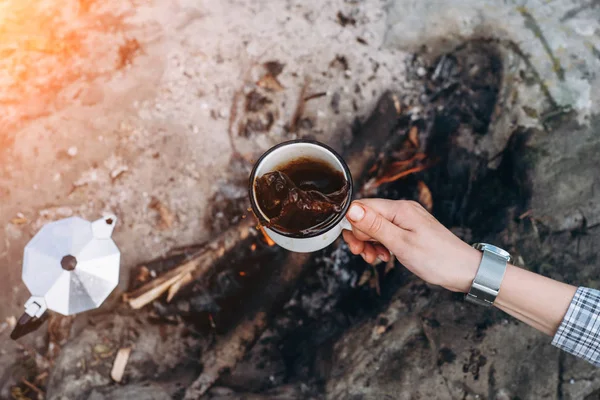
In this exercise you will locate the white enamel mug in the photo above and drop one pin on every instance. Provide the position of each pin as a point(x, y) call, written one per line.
point(277, 157)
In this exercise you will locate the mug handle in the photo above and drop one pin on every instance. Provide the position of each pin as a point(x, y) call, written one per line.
point(346, 224)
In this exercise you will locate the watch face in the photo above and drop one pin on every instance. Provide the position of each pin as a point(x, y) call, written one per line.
point(493, 249)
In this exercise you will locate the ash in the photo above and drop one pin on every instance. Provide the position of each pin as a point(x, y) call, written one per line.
point(333, 275)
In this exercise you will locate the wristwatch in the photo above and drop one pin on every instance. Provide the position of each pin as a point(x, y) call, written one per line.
point(486, 284)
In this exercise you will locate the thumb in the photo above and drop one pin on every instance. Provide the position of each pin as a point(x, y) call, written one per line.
point(373, 224)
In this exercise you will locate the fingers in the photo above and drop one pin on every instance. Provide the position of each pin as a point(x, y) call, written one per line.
point(362, 236)
point(368, 251)
point(403, 213)
point(367, 222)
point(356, 245)
point(382, 253)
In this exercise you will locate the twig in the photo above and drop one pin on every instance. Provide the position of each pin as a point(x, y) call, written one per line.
point(153, 290)
point(299, 112)
point(118, 369)
point(187, 278)
point(232, 118)
point(33, 387)
point(41, 376)
point(197, 265)
point(525, 214)
point(315, 96)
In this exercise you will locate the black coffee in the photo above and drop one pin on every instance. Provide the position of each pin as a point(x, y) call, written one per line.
point(303, 196)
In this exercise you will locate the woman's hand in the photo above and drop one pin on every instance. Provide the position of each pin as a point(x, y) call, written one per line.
point(415, 237)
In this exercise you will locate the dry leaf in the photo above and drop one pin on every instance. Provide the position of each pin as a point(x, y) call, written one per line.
point(118, 171)
point(101, 349)
point(118, 369)
point(127, 52)
point(19, 220)
point(274, 67)
point(425, 196)
point(166, 216)
point(365, 277)
point(18, 394)
point(269, 82)
point(142, 274)
point(59, 328)
point(413, 136)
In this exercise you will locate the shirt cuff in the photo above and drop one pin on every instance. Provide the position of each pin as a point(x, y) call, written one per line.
point(579, 331)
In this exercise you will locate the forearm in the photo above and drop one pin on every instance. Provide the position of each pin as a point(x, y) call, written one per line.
point(534, 299)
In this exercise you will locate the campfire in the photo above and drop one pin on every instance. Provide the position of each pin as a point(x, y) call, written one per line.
point(242, 290)
point(263, 320)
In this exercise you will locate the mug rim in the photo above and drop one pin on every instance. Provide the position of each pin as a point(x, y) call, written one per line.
point(337, 219)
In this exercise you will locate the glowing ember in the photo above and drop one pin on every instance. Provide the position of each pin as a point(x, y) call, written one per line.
point(404, 163)
point(253, 247)
point(269, 241)
point(397, 170)
point(242, 273)
point(392, 178)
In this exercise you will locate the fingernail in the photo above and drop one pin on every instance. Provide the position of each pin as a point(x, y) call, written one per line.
point(364, 256)
point(356, 213)
point(382, 257)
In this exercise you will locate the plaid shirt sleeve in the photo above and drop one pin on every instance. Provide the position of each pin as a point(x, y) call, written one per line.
point(579, 332)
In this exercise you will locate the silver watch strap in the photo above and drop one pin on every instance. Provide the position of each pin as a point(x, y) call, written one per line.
point(486, 284)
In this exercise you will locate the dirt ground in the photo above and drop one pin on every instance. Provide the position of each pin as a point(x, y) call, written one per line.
point(134, 107)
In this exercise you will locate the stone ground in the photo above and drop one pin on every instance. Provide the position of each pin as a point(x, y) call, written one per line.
point(126, 108)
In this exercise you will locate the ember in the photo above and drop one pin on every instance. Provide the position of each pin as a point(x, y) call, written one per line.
point(266, 237)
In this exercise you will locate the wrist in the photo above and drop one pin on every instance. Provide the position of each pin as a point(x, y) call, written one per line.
point(467, 267)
